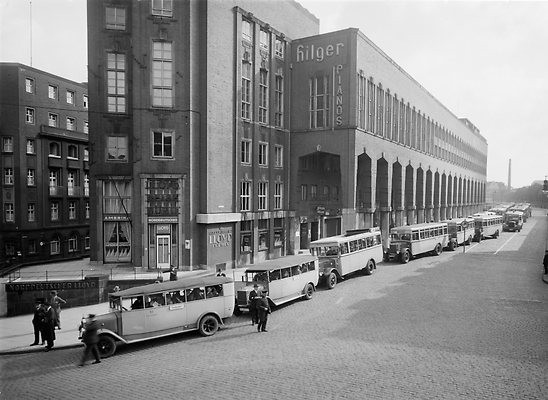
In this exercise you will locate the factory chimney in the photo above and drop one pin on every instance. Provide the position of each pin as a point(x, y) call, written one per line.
point(510, 174)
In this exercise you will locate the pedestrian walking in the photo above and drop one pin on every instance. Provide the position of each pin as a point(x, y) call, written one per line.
point(173, 273)
point(48, 327)
point(264, 309)
point(253, 298)
point(38, 321)
point(55, 301)
point(90, 339)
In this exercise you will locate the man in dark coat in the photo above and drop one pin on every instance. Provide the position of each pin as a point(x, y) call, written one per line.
point(253, 298)
point(90, 339)
point(173, 273)
point(264, 309)
point(37, 322)
point(48, 327)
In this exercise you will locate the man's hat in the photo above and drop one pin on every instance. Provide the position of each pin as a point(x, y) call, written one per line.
point(255, 285)
point(91, 315)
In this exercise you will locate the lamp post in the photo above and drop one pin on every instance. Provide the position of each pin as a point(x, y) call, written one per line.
point(463, 224)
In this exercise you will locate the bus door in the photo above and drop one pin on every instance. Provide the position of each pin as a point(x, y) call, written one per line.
point(133, 315)
point(157, 315)
point(195, 305)
point(291, 283)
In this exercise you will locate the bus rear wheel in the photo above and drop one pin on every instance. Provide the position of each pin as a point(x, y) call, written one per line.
point(368, 270)
point(208, 325)
point(331, 280)
point(452, 245)
point(496, 235)
point(405, 257)
point(308, 291)
point(106, 346)
point(437, 249)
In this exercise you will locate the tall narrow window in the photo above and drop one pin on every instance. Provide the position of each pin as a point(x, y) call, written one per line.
point(71, 124)
point(247, 33)
point(73, 243)
point(30, 146)
point(116, 18)
point(370, 106)
point(9, 212)
point(86, 184)
point(278, 196)
point(7, 144)
point(72, 210)
point(162, 8)
point(245, 154)
point(279, 98)
point(246, 89)
point(263, 154)
point(70, 97)
point(31, 173)
point(52, 92)
point(245, 195)
point(116, 82)
point(8, 176)
point(162, 74)
point(246, 236)
point(304, 192)
point(86, 127)
point(388, 115)
point(319, 102)
point(54, 211)
point(379, 128)
point(31, 212)
point(29, 85)
point(262, 196)
point(279, 48)
point(53, 120)
point(362, 92)
point(264, 40)
point(85, 101)
point(278, 156)
point(55, 246)
point(395, 118)
point(162, 144)
point(29, 115)
point(402, 122)
point(88, 213)
point(263, 96)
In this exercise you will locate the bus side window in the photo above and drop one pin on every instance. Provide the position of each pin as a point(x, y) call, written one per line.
point(214, 291)
point(155, 300)
point(285, 273)
point(353, 245)
point(415, 235)
point(274, 275)
point(378, 239)
point(175, 297)
point(135, 303)
point(194, 294)
point(295, 270)
point(344, 248)
point(311, 266)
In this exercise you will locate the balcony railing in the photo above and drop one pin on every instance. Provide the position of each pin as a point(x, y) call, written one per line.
point(56, 190)
point(74, 191)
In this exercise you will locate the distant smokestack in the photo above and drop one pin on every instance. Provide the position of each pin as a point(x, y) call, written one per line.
point(509, 174)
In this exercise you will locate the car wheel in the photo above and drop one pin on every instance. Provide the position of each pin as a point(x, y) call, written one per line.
point(331, 280)
point(368, 270)
point(405, 257)
point(308, 291)
point(106, 346)
point(208, 325)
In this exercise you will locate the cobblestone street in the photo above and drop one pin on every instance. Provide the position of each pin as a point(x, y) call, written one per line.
point(458, 326)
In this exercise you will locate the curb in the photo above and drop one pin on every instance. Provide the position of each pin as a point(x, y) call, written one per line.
point(20, 350)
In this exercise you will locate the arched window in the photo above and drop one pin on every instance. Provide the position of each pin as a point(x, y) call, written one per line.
point(54, 150)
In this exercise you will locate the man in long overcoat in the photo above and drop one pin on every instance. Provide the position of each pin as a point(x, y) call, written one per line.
point(90, 339)
point(48, 327)
point(264, 309)
point(253, 299)
point(38, 320)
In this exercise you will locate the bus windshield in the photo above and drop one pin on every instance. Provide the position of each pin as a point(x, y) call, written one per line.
point(400, 236)
point(324, 251)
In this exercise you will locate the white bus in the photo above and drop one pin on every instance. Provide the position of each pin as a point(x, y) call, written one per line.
point(285, 279)
point(162, 309)
point(411, 240)
point(487, 224)
point(359, 249)
point(460, 231)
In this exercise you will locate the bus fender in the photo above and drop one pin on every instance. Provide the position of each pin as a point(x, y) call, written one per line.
point(108, 332)
point(219, 319)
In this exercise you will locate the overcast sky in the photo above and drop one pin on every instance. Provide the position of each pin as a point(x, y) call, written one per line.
point(485, 61)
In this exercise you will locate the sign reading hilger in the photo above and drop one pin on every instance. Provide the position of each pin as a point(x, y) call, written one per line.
point(310, 52)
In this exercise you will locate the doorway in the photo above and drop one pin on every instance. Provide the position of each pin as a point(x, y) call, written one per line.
point(163, 253)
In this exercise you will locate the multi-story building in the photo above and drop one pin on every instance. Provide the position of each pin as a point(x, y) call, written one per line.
point(229, 132)
point(45, 167)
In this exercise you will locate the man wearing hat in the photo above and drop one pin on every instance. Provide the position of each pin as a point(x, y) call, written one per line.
point(264, 309)
point(253, 297)
point(90, 339)
point(38, 321)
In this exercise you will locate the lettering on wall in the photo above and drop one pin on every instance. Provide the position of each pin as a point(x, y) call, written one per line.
point(37, 286)
point(311, 52)
point(220, 238)
point(338, 94)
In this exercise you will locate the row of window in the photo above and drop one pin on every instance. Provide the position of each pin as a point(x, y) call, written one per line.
point(262, 196)
point(384, 114)
point(54, 121)
point(310, 192)
point(54, 179)
point(262, 150)
point(263, 228)
point(72, 211)
point(54, 148)
point(116, 16)
point(54, 245)
point(248, 29)
point(53, 93)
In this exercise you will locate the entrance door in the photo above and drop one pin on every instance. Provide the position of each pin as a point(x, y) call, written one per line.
point(163, 254)
point(304, 236)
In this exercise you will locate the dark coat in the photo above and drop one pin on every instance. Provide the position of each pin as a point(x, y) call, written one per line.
point(48, 327)
point(253, 298)
point(90, 334)
point(39, 317)
point(264, 308)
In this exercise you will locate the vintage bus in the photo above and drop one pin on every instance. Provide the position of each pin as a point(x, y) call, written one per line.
point(513, 221)
point(487, 224)
point(339, 256)
point(161, 309)
point(284, 279)
point(409, 241)
point(460, 231)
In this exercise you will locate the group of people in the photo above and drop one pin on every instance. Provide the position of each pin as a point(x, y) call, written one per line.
point(259, 308)
point(47, 317)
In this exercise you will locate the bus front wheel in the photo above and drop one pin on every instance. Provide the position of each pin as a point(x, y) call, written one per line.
point(208, 325)
point(331, 280)
point(437, 249)
point(308, 291)
point(405, 257)
point(368, 270)
point(106, 346)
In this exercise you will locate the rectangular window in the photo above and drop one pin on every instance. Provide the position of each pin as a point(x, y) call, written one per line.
point(370, 126)
point(8, 176)
point(31, 246)
point(85, 101)
point(72, 210)
point(319, 102)
point(278, 232)
point(31, 212)
point(72, 244)
point(247, 33)
point(264, 40)
point(53, 92)
point(116, 18)
point(245, 195)
point(53, 120)
point(279, 48)
point(54, 246)
point(162, 8)
point(29, 115)
point(262, 195)
point(70, 97)
point(162, 74)
point(245, 154)
point(279, 156)
point(7, 144)
point(379, 127)
point(117, 148)
point(87, 210)
point(263, 230)
point(362, 91)
point(86, 127)
point(54, 211)
point(31, 173)
point(53, 178)
point(29, 85)
point(71, 124)
point(162, 144)
point(263, 96)
point(246, 89)
point(278, 196)
point(279, 99)
point(116, 82)
point(30, 146)
point(263, 154)
point(304, 193)
point(313, 192)
point(86, 183)
point(388, 116)
point(9, 212)
point(246, 236)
